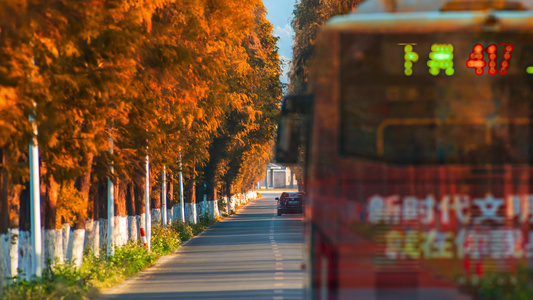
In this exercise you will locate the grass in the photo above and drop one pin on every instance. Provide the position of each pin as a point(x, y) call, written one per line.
point(501, 286)
point(99, 272)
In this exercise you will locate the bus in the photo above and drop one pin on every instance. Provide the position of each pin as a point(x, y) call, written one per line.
point(417, 150)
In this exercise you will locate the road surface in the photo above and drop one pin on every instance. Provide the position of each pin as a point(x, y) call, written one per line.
point(251, 255)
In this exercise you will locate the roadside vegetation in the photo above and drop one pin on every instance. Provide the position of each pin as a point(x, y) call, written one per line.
point(99, 272)
point(500, 286)
point(111, 84)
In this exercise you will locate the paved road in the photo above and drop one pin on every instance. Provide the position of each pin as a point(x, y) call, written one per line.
point(252, 255)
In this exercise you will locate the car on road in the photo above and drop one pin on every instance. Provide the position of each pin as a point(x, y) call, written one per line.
point(290, 202)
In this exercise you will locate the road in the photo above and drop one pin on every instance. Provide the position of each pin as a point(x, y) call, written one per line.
point(251, 255)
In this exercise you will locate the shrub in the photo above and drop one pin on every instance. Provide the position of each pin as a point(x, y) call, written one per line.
point(184, 230)
point(221, 203)
point(205, 221)
point(64, 282)
point(98, 271)
point(164, 240)
point(501, 286)
point(128, 260)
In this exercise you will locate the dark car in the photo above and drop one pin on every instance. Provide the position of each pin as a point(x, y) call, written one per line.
point(290, 202)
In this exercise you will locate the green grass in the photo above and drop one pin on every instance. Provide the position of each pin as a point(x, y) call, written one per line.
point(501, 286)
point(99, 272)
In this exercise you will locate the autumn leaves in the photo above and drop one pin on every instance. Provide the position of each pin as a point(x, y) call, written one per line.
point(156, 76)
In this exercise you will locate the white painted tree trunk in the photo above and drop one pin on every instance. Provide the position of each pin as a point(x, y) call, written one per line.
point(121, 230)
point(103, 233)
point(200, 210)
point(4, 248)
point(233, 202)
point(92, 236)
point(132, 228)
point(212, 208)
point(24, 260)
point(49, 241)
point(156, 216)
point(12, 263)
point(66, 238)
point(141, 222)
point(170, 216)
point(75, 247)
point(89, 233)
point(58, 248)
point(177, 213)
point(190, 212)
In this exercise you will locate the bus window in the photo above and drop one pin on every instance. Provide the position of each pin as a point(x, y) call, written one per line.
point(408, 99)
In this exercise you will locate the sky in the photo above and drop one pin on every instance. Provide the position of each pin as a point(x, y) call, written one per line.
point(279, 13)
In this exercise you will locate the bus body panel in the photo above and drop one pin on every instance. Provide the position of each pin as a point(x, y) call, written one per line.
point(401, 251)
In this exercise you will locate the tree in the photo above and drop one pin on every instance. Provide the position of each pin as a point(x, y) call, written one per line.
point(309, 16)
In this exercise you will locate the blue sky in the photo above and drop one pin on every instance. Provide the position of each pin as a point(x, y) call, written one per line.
point(280, 15)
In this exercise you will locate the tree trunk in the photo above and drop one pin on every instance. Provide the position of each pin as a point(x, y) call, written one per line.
point(155, 198)
point(24, 249)
point(83, 184)
point(170, 191)
point(4, 213)
point(51, 195)
point(138, 194)
point(51, 234)
point(4, 221)
point(130, 199)
point(121, 220)
point(200, 198)
point(138, 191)
point(190, 199)
point(93, 237)
point(130, 211)
point(100, 213)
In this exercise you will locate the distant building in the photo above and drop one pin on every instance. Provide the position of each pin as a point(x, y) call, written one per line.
point(278, 177)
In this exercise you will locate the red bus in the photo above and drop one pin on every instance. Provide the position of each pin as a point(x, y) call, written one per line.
point(418, 160)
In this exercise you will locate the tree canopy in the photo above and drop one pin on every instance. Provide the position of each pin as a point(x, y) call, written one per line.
point(309, 16)
point(144, 77)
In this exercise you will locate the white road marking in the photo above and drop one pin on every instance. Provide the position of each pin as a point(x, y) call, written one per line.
point(278, 291)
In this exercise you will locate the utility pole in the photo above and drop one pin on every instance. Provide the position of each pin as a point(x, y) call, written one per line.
point(164, 198)
point(147, 215)
point(181, 191)
point(110, 204)
point(35, 199)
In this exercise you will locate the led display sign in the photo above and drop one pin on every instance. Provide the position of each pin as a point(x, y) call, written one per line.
point(441, 57)
point(437, 55)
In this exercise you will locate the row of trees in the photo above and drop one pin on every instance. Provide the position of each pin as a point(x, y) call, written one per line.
point(143, 77)
point(309, 16)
